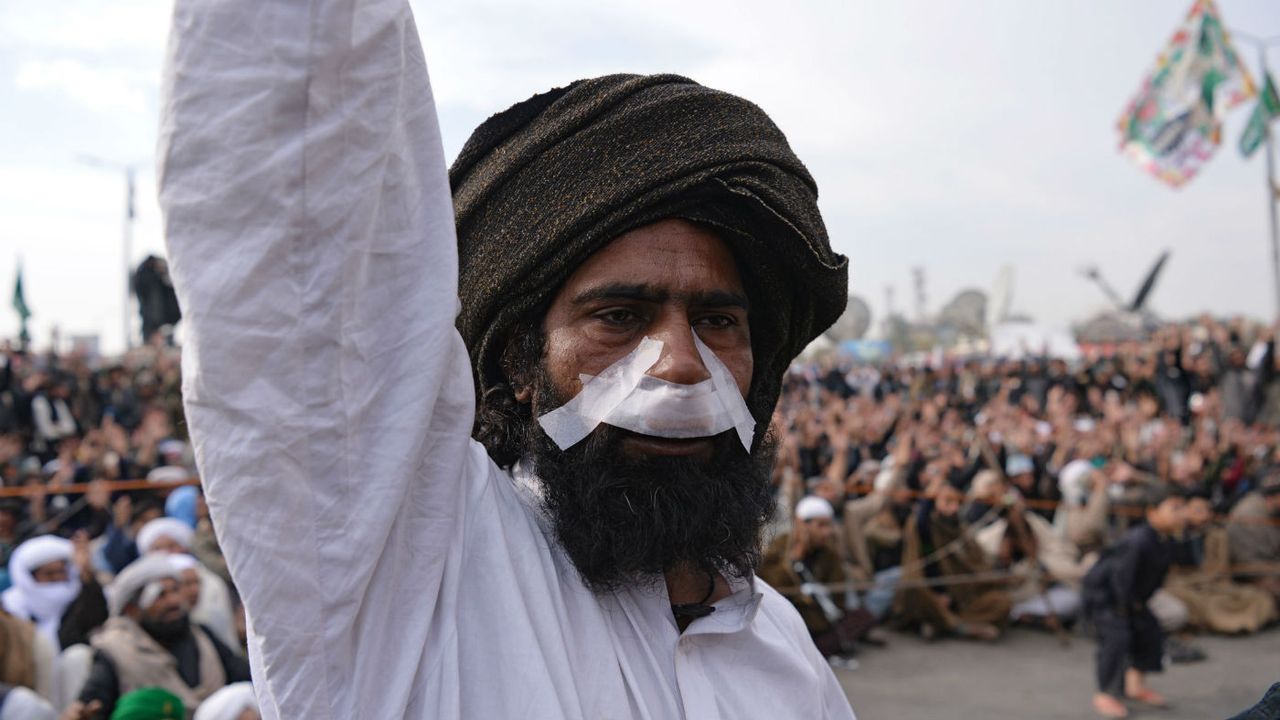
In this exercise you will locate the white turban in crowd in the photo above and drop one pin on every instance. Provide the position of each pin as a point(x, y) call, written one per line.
point(141, 582)
point(887, 477)
point(41, 603)
point(228, 703)
point(812, 507)
point(1073, 481)
point(184, 562)
point(24, 704)
point(984, 483)
point(1018, 465)
point(168, 527)
point(213, 606)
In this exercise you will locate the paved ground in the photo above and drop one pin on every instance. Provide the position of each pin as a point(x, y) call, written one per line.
point(1028, 676)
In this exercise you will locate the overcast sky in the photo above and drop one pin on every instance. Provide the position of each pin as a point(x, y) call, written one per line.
point(955, 136)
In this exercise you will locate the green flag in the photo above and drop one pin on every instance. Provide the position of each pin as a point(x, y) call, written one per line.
point(1264, 112)
point(20, 306)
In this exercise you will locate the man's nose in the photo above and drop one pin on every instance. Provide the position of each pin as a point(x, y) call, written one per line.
point(680, 362)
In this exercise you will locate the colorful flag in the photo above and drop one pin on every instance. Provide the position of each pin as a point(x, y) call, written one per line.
point(1174, 124)
point(20, 306)
point(1267, 109)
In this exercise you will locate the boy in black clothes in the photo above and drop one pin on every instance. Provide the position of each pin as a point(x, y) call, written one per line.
point(1116, 591)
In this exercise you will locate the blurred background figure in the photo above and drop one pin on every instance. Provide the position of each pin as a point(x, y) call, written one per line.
point(157, 301)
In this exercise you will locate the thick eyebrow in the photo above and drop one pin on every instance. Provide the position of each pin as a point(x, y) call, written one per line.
point(643, 292)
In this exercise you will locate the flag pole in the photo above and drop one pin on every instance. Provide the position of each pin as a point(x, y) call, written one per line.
point(1261, 44)
point(1271, 190)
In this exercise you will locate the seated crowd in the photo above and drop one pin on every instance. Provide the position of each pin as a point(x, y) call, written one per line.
point(114, 603)
point(957, 498)
point(950, 499)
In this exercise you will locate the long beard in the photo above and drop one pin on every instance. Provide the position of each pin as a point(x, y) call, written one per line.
point(624, 520)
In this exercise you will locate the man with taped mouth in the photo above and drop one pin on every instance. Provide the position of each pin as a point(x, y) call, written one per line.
point(536, 447)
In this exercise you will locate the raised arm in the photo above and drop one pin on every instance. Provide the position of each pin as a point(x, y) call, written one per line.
point(310, 230)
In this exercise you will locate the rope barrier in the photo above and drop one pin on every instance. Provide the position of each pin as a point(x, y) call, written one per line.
point(82, 488)
point(1010, 576)
point(1121, 510)
point(864, 488)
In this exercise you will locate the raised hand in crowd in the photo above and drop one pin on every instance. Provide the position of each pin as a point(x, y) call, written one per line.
point(82, 711)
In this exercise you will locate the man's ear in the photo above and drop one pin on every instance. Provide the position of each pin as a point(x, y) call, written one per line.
point(514, 363)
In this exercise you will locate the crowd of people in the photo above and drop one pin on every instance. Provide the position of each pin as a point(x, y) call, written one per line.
point(957, 499)
point(952, 499)
point(116, 601)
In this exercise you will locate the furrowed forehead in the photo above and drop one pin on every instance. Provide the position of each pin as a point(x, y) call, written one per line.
point(668, 260)
point(646, 292)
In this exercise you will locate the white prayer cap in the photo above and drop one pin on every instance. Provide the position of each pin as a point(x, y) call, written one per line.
point(1018, 465)
point(23, 704)
point(812, 507)
point(228, 703)
point(173, 528)
point(984, 482)
point(139, 580)
point(1073, 480)
point(887, 476)
point(168, 473)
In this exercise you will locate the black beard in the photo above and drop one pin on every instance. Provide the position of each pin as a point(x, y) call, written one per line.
point(166, 632)
point(625, 520)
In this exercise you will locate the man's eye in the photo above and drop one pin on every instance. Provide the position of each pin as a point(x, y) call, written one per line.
point(618, 316)
point(717, 321)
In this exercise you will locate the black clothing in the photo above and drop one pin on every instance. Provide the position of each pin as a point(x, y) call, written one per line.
point(1268, 708)
point(1135, 640)
point(1116, 591)
point(1129, 572)
point(157, 301)
point(976, 512)
point(85, 614)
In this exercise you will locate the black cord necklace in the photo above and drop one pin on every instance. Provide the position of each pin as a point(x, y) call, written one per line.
point(695, 610)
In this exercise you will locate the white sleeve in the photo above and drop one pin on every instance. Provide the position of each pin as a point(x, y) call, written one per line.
point(329, 397)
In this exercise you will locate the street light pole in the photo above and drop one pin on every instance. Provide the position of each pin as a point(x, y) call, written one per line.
point(128, 255)
point(129, 186)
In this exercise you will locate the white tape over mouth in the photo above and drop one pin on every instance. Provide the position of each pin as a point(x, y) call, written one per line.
point(624, 396)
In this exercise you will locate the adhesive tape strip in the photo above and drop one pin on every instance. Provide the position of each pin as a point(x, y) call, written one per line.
point(727, 391)
point(568, 424)
point(625, 397)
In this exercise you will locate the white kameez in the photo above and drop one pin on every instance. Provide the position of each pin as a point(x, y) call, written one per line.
point(388, 567)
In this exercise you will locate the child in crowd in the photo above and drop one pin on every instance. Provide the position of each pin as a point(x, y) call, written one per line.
point(1116, 591)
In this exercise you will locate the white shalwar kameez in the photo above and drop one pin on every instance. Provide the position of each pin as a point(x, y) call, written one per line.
point(389, 568)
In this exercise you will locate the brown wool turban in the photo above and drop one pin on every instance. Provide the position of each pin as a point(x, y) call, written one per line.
point(541, 186)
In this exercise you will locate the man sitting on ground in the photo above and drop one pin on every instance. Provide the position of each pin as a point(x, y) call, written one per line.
point(938, 545)
point(801, 564)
